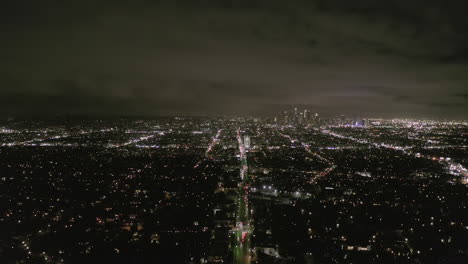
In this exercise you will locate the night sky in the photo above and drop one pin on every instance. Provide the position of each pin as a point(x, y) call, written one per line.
point(394, 58)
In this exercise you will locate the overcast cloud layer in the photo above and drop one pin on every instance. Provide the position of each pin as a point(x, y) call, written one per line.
point(366, 57)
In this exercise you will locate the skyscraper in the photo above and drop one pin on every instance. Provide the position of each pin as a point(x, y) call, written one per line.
point(316, 119)
point(247, 141)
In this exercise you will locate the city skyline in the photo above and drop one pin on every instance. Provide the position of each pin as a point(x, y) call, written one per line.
point(234, 190)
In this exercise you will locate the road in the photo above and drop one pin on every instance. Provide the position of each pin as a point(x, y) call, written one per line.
point(324, 173)
point(214, 142)
point(242, 231)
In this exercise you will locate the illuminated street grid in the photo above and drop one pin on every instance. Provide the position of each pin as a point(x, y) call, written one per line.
point(289, 189)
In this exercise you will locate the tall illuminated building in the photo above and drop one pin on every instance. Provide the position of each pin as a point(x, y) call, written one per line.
point(316, 119)
point(247, 142)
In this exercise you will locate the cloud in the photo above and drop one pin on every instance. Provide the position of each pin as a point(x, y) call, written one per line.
point(461, 95)
point(231, 56)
